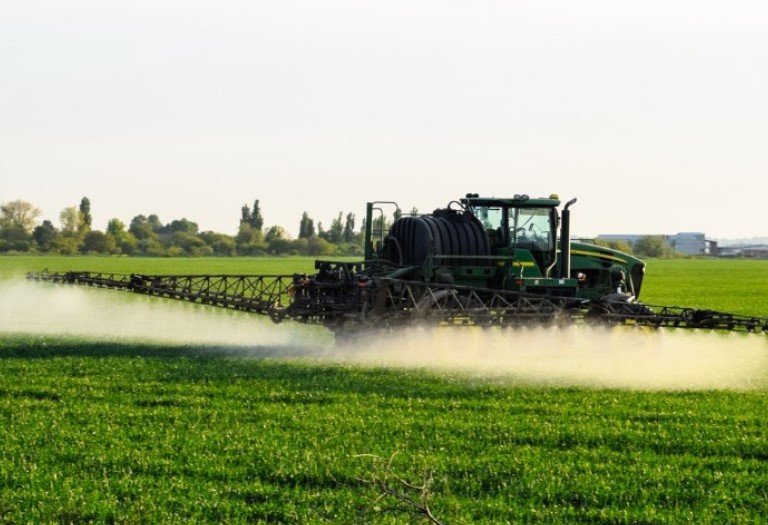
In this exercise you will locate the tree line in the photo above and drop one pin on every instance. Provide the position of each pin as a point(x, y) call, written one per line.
point(22, 232)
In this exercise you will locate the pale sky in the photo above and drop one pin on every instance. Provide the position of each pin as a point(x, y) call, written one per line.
point(654, 114)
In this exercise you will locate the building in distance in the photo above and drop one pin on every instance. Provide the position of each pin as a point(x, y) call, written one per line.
point(687, 243)
point(696, 243)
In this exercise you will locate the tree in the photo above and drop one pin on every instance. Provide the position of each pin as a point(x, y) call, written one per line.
point(256, 219)
point(336, 232)
point(15, 239)
point(319, 246)
point(220, 243)
point(189, 244)
point(252, 218)
point(116, 227)
point(126, 242)
point(145, 229)
point(306, 227)
point(85, 213)
point(276, 232)
point(652, 246)
point(70, 221)
point(183, 225)
point(68, 242)
point(281, 247)
point(278, 241)
point(622, 246)
point(142, 228)
point(154, 223)
point(45, 236)
point(349, 228)
point(17, 220)
point(98, 242)
point(249, 241)
point(18, 215)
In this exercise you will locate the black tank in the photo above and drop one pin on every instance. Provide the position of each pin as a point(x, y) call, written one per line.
point(452, 232)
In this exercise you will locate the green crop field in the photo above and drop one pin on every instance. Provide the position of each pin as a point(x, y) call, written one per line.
point(17, 267)
point(104, 426)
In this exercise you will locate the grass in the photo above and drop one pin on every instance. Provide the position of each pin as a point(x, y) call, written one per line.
point(17, 266)
point(108, 432)
point(97, 431)
point(731, 285)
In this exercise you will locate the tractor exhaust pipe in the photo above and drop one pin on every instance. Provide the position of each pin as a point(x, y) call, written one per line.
point(565, 241)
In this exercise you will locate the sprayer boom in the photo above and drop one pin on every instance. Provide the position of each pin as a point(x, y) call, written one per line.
point(251, 293)
point(341, 299)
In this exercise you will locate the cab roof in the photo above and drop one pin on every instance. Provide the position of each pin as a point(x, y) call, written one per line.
point(517, 201)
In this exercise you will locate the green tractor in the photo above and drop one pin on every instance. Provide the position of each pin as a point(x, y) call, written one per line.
point(509, 244)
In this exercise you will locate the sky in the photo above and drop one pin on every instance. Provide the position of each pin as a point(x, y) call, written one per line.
point(653, 114)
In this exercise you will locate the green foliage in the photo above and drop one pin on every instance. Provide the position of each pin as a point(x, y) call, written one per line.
point(180, 226)
point(151, 247)
point(124, 432)
point(653, 246)
point(18, 215)
point(349, 228)
point(45, 236)
point(306, 227)
point(221, 245)
point(98, 242)
point(250, 241)
point(276, 233)
point(126, 242)
point(17, 222)
point(85, 213)
point(188, 244)
point(141, 228)
point(319, 246)
point(71, 220)
point(253, 217)
point(335, 234)
point(15, 239)
point(622, 246)
point(277, 245)
point(148, 236)
point(66, 244)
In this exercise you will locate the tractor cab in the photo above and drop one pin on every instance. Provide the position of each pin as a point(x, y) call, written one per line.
point(520, 228)
point(524, 242)
point(523, 233)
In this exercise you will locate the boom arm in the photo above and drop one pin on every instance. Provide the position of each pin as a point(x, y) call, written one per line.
point(339, 297)
point(261, 294)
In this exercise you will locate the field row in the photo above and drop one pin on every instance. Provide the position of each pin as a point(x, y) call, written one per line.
point(143, 433)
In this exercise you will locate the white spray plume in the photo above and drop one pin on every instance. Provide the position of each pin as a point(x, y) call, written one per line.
point(42, 308)
point(621, 357)
point(628, 358)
